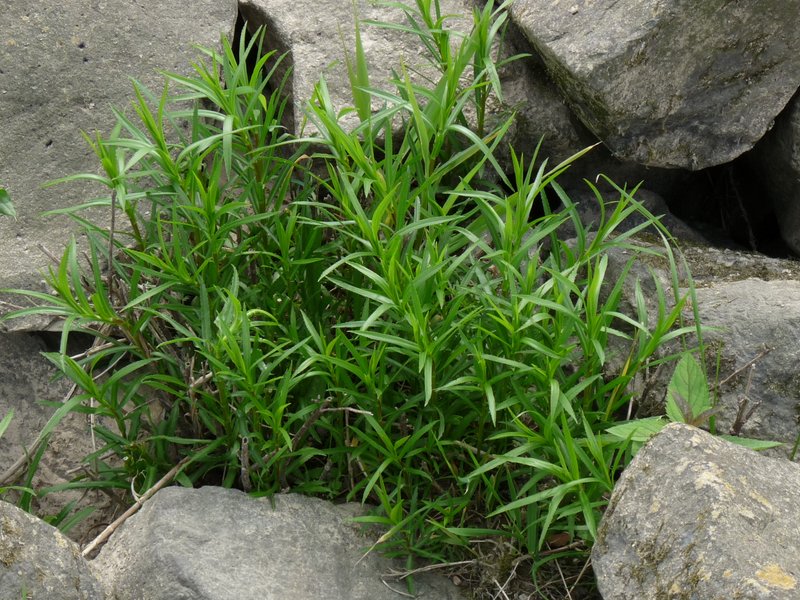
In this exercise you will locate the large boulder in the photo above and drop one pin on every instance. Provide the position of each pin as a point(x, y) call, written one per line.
point(670, 83)
point(63, 66)
point(316, 36)
point(694, 516)
point(210, 543)
point(37, 561)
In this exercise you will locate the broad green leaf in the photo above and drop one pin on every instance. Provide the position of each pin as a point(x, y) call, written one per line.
point(689, 385)
point(675, 408)
point(638, 430)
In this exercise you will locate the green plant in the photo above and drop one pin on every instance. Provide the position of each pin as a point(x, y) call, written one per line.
point(6, 207)
point(688, 401)
point(4, 423)
point(215, 198)
point(403, 324)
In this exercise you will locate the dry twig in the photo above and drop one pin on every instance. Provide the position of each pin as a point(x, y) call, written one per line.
point(580, 575)
point(106, 533)
point(407, 595)
point(400, 575)
point(745, 366)
point(742, 413)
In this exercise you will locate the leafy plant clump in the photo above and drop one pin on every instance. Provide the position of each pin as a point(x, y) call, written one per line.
point(379, 314)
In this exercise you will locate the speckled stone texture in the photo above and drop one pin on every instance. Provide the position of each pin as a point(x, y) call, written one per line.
point(694, 516)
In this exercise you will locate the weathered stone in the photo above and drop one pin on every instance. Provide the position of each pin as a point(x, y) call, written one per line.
point(63, 66)
point(318, 35)
point(747, 303)
point(37, 561)
point(777, 158)
point(541, 115)
point(210, 543)
point(26, 383)
point(711, 266)
point(694, 516)
point(669, 82)
point(743, 319)
point(26, 379)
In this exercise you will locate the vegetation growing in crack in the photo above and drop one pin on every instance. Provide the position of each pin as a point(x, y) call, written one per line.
point(359, 314)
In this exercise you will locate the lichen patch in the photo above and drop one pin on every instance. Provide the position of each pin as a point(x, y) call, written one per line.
point(774, 576)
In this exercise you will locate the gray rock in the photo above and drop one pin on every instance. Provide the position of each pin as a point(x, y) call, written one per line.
point(747, 303)
point(644, 257)
point(211, 543)
point(541, 115)
point(666, 82)
point(743, 318)
point(26, 382)
point(591, 214)
point(694, 516)
point(777, 158)
point(26, 378)
point(711, 266)
point(63, 66)
point(37, 561)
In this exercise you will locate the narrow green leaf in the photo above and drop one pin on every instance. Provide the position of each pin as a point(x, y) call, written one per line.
point(751, 443)
point(6, 421)
point(6, 207)
point(227, 143)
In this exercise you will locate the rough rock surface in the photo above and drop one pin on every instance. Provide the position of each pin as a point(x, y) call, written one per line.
point(211, 543)
point(591, 214)
point(744, 318)
point(317, 36)
point(26, 382)
point(697, 517)
point(777, 158)
point(63, 66)
point(670, 83)
point(710, 266)
point(37, 561)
